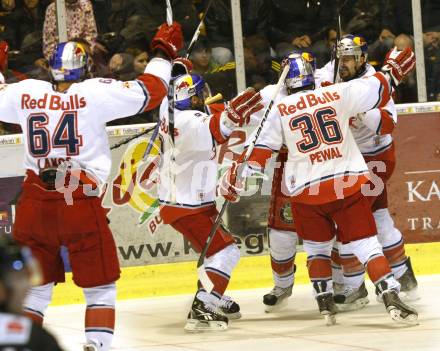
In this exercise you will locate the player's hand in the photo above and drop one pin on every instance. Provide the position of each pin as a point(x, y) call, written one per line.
point(168, 39)
point(399, 63)
point(238, 111)
point(230, 186)
point(181, 65)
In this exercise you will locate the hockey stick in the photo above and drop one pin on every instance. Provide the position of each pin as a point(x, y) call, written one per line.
point(125, 141)
point(201, 271)
point(338, 39)
point(188, 52)
point(197, 32)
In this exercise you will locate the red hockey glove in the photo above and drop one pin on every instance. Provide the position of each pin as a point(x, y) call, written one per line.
point(238, 111)
point(181, 66)
point(168, 39)
point(230, 186)
point(399, 63)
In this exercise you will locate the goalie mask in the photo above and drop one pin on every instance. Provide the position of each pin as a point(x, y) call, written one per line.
point(69, 62)
point(301, 69)
point(187, 86)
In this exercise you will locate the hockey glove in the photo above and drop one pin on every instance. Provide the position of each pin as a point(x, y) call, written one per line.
point(399, 63)
point(238, 111)
point(168, 39)
point(230, 186)
point(181, 66)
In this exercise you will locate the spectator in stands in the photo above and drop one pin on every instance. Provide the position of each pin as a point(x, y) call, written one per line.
point(102, 10)
point(407, 89)
point(154, 12)
point(302, 24)
point(218, 23)
point(121, 67)
point(8, 25)
point(80, 23)
point(140, 59)
point(201, 57)
point(223, 79)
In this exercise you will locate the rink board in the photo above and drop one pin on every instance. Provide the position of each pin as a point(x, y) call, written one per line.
point(142, 239)
point(251, 273)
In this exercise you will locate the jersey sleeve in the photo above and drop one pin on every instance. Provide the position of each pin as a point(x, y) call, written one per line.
point(118, 99)
point(269, 141)
point(361, 95)
point(8, 113)
point(381, 120)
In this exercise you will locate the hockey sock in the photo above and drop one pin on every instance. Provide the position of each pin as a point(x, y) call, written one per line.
point(337, 273)
point(282, 256)
point(396, 257)
point(37, 300)
point(100, 315)
point(219, 267)
point(319, 265)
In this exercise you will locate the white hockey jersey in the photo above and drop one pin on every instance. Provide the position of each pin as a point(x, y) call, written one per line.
point(188, 170)
point(372, 130)
point(71, 125)
point(324, 162)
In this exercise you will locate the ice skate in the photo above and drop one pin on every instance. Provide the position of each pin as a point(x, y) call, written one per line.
point(229, 308)
point(204, 316)
point(351, 299)
point(277, 298)
point(399, 311)
point(408, 282)
point(90, 347)
point(327, 307)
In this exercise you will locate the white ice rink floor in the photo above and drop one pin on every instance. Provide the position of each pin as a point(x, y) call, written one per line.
point(156, 324)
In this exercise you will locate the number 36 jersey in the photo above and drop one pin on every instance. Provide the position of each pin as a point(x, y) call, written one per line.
point(324, 163)
point(71, 125)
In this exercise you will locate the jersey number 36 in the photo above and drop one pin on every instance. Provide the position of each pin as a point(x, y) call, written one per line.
point(65, 134)
point(322, 127)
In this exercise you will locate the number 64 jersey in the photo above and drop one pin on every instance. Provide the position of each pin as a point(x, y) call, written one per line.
point(324, 163)
point(71, 125)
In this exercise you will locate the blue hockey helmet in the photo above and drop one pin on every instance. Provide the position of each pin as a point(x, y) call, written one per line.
point(302, 66)
point(352, 45)
point(68, 62)
point(186, 86)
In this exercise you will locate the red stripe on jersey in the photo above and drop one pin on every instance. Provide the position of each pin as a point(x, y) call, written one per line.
point(216, 107)
point(214, 127)
point(155, 88)
point(170, 214)
point(387, 122)
point(385, 95)
point(326, 190)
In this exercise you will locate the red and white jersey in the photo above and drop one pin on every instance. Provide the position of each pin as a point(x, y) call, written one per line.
point(371, 131)
point(188, 169)
point(324, 162)
point(71, 125)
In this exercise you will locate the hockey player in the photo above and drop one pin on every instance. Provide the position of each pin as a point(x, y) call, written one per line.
point(325, 172)
point(372, 133)
point(67, 159)
point(281, 228)
point(18, 332)
point(187, 187)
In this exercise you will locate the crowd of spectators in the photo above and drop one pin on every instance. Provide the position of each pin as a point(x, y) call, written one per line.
point(117, 33)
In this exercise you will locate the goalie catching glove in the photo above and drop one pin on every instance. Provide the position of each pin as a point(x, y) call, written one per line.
point(238, 111)
point(398, 64)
